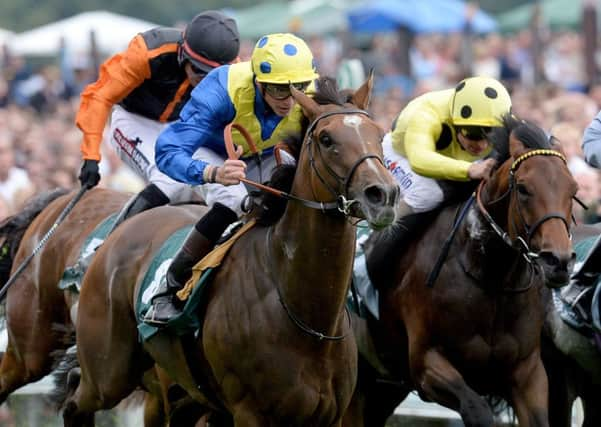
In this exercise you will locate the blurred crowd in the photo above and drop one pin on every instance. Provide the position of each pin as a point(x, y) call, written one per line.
point(39, 143)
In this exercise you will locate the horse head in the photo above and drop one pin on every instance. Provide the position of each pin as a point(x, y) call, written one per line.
point(343, 150)
point(536, 187)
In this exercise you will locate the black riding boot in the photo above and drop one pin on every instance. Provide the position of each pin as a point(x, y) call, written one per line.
point(198, 243)
point(150, 197)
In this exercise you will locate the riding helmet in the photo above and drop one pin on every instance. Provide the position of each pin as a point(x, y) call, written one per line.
point(210, 39)
point(282, 58)
point(479, 101)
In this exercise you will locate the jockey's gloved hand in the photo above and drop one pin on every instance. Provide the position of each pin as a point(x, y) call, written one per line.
point(89, 175)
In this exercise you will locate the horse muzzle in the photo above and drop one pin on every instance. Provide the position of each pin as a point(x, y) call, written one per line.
point(556, 267)
point(377, 204)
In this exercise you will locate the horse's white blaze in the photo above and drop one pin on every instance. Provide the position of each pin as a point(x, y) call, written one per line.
point(353, 120)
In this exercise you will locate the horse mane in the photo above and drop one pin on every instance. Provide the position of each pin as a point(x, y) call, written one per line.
point(529, 134)
point(13, 228)
point(271, 207)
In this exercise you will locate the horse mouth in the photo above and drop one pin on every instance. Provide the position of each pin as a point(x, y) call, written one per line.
point(556, 280)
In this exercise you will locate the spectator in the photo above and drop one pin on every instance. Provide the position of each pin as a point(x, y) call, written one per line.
point(14, 181)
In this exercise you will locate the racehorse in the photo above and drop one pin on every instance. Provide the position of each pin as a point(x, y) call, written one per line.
point(275, 346)
point(37, 311)
point(474, 330)
point(572, 362)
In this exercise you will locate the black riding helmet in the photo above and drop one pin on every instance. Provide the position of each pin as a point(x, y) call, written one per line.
point(209, 40)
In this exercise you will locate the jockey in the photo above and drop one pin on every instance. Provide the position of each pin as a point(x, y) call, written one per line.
point(442, 135)
point(146, 86)
point(437, 145)
point(255, 94)
point(587, 274)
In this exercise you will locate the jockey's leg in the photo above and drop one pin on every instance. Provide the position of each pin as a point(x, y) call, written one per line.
point(199, 242)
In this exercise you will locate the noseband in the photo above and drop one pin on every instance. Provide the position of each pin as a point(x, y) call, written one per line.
point(342, 203)
point(519, 243)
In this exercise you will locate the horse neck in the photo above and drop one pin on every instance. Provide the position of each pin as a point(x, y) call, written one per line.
point(313, 262)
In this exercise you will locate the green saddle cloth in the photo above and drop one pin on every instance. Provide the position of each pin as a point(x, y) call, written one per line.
point(186, 322)
point(73, 276)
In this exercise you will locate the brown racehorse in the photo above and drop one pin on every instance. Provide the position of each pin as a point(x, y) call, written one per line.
point(37, 311)
point(476, 330)
point(38, 314)
point(572, 361)
point(276, 347)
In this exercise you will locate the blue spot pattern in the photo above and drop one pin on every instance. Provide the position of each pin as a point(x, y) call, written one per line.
point(265, 67)
point(290, 49)
point(263, 41)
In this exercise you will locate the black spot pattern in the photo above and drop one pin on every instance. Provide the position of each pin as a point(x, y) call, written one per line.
point(460, 86)
point(490, 92)
point(466, 111)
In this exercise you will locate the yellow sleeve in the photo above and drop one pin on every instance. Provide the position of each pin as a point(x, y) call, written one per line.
point(118, 77)
point(423, 130)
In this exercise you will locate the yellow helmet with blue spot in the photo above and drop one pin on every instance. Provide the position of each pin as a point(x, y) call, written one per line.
point(282, 58)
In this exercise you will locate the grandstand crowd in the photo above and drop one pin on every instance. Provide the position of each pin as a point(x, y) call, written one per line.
point(40, 144)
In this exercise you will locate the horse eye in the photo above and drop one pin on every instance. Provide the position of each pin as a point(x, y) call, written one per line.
point(326, 140)
point(522, 190)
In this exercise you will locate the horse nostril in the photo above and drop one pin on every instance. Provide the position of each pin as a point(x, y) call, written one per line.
point(557, 261)
point(375, 195)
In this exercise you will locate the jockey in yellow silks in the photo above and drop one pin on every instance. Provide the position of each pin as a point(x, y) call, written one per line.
point(254, 94)
point(442, 135)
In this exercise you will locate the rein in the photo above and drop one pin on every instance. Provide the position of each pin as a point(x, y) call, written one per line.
point(341, 204)
point(519, 243)
point(296, 320)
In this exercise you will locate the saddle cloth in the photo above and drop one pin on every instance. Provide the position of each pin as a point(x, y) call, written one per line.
point(362, 294)
point(73, 276)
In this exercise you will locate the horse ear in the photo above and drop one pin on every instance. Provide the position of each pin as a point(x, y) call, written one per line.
point(362, 96)
point(309, 106)
point(516, 147)
point(556, 145)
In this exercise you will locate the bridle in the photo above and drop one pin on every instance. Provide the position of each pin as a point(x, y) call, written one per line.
point(341, 203)
point(519, 243)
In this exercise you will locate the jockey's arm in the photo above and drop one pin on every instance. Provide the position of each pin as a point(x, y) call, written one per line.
point(421, 134)
point(591, 142)
point(118, 77)
point(201, 124)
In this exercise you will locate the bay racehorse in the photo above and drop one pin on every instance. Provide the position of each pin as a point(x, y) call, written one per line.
point(475, 330)
point(275, 347)
point(37, 311)
point(572, 361)
point(39, 315)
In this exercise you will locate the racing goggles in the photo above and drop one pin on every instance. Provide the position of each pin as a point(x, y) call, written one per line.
point(196, 70)
point(282, 91)
point(474, 133)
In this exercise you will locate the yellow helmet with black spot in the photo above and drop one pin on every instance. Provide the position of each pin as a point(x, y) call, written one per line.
point(281, 59)
point(479, 101)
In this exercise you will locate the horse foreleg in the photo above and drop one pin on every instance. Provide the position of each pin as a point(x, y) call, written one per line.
point(442, 383)
point(529, 392)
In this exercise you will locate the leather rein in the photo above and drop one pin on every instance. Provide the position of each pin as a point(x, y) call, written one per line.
point(341, 203)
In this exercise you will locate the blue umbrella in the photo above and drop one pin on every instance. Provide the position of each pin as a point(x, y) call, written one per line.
point(423, 16)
